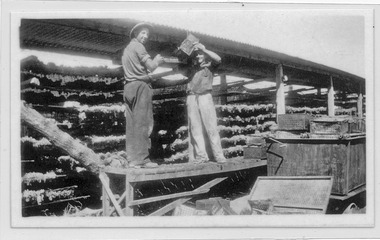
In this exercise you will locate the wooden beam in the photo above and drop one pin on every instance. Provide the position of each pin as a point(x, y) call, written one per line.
point(280, 95)
point(205, 188)
point(319, 92)
point(170, 207)
point(178, 202)
point(223, 89)
point(245, 71)
point(166, 197)
point(360, 101)
point(330, 99)
point(49, 129)
point(105, 199)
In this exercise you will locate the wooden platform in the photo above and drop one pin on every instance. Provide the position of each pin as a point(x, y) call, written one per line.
point(166, 171)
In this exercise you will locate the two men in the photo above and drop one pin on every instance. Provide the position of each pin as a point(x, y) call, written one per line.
point(137, 64)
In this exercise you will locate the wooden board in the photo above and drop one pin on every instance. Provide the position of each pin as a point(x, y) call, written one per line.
point(170, 171)
point(303, 194)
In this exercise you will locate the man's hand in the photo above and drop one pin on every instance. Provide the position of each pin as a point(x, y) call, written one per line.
point(199, 46)
point(158, 59)
point(153, 64)
point(215, 57)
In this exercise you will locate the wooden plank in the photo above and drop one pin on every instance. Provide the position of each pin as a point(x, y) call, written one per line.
point(231, 165)
point(300, 207)
point(169, 207)
point(200, 190)
point(166, 197)
point(104, 179)
point(185, 170)
point(207, 171)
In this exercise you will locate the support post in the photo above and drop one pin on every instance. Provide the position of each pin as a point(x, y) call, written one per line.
point(280, 94)
point(223, 88)
point(130, 194)
point(360, 101)
point(105, 199)
point(330, 99)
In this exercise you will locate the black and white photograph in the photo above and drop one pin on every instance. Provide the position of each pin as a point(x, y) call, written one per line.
point(199, 116)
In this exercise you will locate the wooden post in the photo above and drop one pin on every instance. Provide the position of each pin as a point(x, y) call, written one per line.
point(223, 88)
point(105, 200)
point(130, 196)
point(330, 99)
point(280, 95)
point(360, 101)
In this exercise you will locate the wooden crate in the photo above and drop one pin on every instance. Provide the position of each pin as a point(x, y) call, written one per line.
point(345, 160)
point(256, 148)
point(336, 125)
point(299, 122)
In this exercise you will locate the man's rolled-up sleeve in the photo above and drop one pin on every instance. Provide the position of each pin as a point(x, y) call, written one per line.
point(142, 53)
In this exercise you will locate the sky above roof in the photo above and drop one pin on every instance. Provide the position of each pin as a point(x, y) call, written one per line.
point(333, 38)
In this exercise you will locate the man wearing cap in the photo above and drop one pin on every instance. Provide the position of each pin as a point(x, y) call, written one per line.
point(137, 64)
point(201, 112)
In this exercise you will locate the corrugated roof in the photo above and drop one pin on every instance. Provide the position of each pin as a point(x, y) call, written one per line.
point(263, 54)
point(108, 37)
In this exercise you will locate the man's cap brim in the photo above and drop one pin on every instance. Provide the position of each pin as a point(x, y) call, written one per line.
point(139, 26)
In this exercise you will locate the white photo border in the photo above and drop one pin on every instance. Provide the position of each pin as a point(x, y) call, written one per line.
point(10, 129)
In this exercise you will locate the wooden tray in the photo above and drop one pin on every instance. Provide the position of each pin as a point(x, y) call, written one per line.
point(294, 195)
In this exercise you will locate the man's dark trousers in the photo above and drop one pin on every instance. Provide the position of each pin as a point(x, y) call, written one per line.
point(139, 121)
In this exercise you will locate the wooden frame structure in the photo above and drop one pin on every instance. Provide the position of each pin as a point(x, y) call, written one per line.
point(134, 176)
